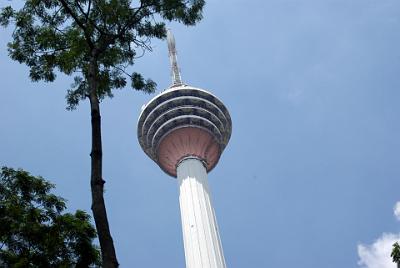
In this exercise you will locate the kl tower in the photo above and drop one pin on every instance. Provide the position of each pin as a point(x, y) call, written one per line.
point(185, 130)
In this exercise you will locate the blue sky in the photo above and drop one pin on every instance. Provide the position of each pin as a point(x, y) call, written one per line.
point(311, 174)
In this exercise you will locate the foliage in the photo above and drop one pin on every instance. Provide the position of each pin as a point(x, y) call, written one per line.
point(396, 253)
point(35, 232)
point(65, 35)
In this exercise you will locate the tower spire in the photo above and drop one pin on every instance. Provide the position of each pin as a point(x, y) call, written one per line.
point(176, 76)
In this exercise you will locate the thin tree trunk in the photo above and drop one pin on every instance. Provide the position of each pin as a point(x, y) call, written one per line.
point(109, 257)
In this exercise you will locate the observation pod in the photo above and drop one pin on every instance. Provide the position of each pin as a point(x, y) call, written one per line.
point(184, 122)
point(185, 130)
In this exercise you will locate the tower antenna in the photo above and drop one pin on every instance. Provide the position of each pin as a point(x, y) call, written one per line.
point(176, 76)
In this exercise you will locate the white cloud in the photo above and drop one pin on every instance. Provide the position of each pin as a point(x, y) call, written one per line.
point(377, 255)
point(397, 210)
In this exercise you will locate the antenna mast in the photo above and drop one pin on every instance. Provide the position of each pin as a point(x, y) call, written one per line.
point(176, 76)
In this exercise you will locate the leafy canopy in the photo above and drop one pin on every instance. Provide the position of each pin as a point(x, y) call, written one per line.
point(69, 35)
point(34, 231)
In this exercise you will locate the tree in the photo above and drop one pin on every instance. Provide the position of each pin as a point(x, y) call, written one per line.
point(396, 254)
point(34, 230)
point(95, 40)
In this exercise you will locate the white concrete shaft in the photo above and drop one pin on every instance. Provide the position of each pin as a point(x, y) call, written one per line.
point(199, 225)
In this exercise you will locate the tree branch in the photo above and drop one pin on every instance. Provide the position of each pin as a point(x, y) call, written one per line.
point(123, 70)
point(78, 21)
point(88, 9)
point(81, 10)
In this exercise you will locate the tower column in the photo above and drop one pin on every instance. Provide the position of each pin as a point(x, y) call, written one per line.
point(185, 130)
point(199, 225)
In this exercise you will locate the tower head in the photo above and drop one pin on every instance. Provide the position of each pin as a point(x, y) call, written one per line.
point(183, 122)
